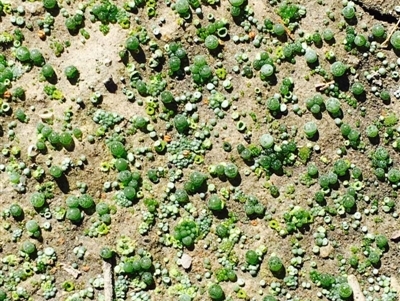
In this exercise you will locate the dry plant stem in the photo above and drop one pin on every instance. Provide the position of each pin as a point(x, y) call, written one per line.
point(108, 285)
point(74, 272)
point(355, 286)
point(288, 32)
point(385, 42)
point(323, 86)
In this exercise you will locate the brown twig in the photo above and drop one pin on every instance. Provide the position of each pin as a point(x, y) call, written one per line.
point(385, 42)
point(288, 32)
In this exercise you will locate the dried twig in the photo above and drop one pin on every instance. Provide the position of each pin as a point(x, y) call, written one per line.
point(74, 272)
point(288, 32)
point(355, 286)
point(385, 42)
point(323, 86)
point(108, 285)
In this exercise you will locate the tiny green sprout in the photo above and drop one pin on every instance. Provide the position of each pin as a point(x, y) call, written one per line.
point(275, 264)
point(378, 30)
point(66, 140)
point(33, 227)
point(22, 54)
point(340, 167)
point(86, 201)
point(333, 105)
point(345, 291)
point(186, 232)
point(18, 93)
point(385, 95)
point(117, 149)
point(38, 200)
point(146, 263)
point(147, 278)
point(269, 298)
point(3, 295)
point(349, 12)
point(374, 257)
point(132, 43)
point(266, 141)
point(348, 202)
point(279, 29)
point(56, 171)
point(166, 97)
point(393, 175)
point(21, 116)
point(71, 73)
point(273, 104)
point(267, 70)
point(215, 203)
point(328, 35)
point(182, 7)
point(71, 24)
point(357, 88)
point(395, 40)
point(338, 69)
point(68, 286)
point(16, 211)
point(231, 171)
point(48, 71)
point(37, 57)
point(72, 202)
point(222, 231)
point(130, 193)
point(77, 132)
point(215, 292)
point(121, 164)
point(372, 131)
point(252, 257)
point(236, 3)
point(49, 4)
point(310, 129)
point(74, 215)
point(360, 40)
point(311, 56)
point(131, 267)
point(181, 123)
point(382, 242)
point(106, 253)
point(211, 42)
point(28, 247)
point(174, 63)
point(181, 196)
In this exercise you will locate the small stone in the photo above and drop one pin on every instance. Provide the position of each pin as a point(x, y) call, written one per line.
point(395, 235)
point(85, 268)
point(325, 251)
point(186, 261)
point(394, 284)
point(34, 8)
